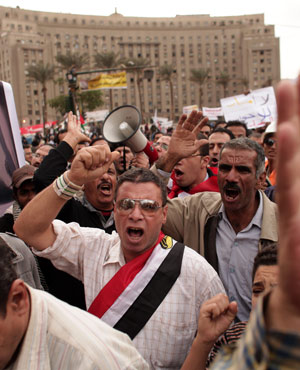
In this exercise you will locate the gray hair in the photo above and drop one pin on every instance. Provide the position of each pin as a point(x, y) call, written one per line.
point(243, 143)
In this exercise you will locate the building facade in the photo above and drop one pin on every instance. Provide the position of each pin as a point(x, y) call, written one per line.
point(242, 47)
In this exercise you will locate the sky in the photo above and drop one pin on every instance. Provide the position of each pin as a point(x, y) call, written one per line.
point(285, 16)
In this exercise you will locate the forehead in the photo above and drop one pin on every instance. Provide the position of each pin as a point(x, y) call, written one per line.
point(267, 274)
point(218, 137)
point(144, 190)
point(205, 128)
point(237, 128)
point(164, 140)
point(238, 156)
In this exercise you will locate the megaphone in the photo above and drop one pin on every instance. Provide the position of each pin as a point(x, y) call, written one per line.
point(122, 126)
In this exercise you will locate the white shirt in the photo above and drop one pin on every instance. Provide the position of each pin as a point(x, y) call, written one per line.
point(94, 257)
point(63, 337)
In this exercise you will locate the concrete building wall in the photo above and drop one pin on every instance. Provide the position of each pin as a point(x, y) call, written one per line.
point(241, 46)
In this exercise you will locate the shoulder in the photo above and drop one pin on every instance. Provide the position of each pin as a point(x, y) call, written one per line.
point(87, 336)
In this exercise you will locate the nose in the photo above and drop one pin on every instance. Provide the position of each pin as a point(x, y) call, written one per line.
point(136, 214)
point(216, 150)
point(105, 176)
point(232, 175)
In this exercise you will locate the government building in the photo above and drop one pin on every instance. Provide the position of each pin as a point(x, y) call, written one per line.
point(241, 47)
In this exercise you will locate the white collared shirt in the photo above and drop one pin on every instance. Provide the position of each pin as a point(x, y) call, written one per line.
point(63, 337)
point(94, 257)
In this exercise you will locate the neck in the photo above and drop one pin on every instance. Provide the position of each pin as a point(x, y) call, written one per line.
point(240, 219)
point(271, 164)
point(200, 178)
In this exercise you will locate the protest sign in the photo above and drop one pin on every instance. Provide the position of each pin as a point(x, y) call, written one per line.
point(255, 108)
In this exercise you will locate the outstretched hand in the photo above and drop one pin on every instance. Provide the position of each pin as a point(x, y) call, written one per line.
point(91, 163)
point(184, 141)
point(74, 134)
point(285, 301)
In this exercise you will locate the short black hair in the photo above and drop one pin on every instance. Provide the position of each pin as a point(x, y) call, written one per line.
point(222, 130)
point(7, 274)
point(266, 257)
point(142, 175)
point(238, 124)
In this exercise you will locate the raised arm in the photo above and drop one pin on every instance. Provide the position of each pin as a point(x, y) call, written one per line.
point(34, 224)
point(283, 312)
point(55, 163)
point(184, 141)
point(215, 317)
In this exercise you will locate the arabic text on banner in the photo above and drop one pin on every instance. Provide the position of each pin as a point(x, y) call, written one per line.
point(108, 81)
point(254, 109)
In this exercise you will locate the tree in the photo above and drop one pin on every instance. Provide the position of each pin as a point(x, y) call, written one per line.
point(223, 79)
point(166, 73)
point(108, 60)
point(200, 76)
point(90, 100)
point(135, 66)
point(42, 73)
point(72, 60)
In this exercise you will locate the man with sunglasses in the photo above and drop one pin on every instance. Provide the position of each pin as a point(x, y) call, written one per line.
point(138, 281)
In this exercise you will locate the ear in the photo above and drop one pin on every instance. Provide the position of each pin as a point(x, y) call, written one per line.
point(204, 161)
point(261, 181)
point(18, 301)
point(165, 211)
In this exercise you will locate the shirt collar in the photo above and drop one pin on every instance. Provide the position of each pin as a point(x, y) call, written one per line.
point(256, 220)
point(115, 255)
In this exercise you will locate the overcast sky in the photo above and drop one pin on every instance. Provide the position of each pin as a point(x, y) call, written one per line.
point(285, 15)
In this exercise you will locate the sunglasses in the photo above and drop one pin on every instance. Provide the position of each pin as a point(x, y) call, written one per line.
point(270, 142)
point(147, 206)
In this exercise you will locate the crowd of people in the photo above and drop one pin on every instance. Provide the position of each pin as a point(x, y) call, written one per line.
point(108, 262)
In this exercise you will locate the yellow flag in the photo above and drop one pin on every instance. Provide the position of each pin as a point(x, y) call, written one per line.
point(108, 81)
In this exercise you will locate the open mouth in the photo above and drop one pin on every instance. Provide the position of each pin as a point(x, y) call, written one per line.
point(214, 161)
point(105, 188)
point(178, 173)
point(231, 193)
point(135, 232)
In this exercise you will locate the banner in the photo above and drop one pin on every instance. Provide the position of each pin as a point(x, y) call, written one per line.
point(254, 109)
point(31, 130)
point(108, 81)
point(189, 108)
point(11, 150)
point(212, 113)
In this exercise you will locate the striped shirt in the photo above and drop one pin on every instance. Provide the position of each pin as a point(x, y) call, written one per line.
point(63, 337)
point(260, 348)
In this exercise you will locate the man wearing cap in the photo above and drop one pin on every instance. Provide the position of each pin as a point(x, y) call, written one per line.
point(23, 192)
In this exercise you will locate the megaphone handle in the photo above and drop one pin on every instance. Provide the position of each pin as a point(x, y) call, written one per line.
point(151, 152)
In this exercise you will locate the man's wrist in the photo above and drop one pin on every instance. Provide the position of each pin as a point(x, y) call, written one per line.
point(167, 162)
